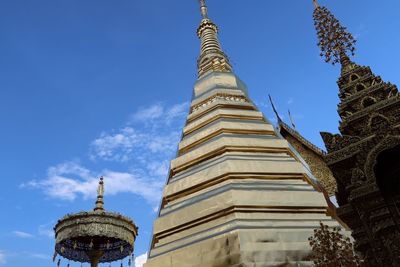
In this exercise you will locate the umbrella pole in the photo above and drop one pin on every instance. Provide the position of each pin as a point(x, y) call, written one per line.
point(94, 256)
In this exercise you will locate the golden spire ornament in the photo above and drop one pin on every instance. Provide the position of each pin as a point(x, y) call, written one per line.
point(334, 39)
point(212, 58)
point(203, 9)
point(100, 196)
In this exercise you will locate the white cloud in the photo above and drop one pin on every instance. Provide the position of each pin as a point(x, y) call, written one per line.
point(141, 260)
point(153, 129)
point(2, 257)
point(160, 113)
point(117, 146)
point(158, 168)
point(290, 101)
point(149, 113)
point(22, 234)
point(143, 147)
point(177, 111)
point(67, 184)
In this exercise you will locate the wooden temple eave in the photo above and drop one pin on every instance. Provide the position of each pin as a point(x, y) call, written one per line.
point(354, 82)
point(383, 104)
point(364, 192)
point(334, 157)
point(356, 96)
point(356, 69)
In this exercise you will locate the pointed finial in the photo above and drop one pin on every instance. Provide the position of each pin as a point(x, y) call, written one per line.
point(333, 39)
point(100, 194)
point(316, 5)
point(203, 9)
point(291, 120)
point(274, 109)
point(212, 58)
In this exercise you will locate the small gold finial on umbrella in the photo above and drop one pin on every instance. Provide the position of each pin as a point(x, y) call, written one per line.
point(100, 196)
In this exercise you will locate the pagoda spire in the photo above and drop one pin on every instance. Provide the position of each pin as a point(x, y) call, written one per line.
point(212, 58)
point(335, 41)
point(203, 9)
point(100, 196)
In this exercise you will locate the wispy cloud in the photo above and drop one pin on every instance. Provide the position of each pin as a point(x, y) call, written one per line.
point(141, 260)
point(159, 114)
point(290, 101)
point(22, 234)
point(2, 257)
point(66, 183)
point(154, 129)
point(143, 147)
point(117, 146)
point(152, 112)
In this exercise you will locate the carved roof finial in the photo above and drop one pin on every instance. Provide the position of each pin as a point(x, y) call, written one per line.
point(203, 9)
point(100, 196)
point(274, 109)
point(291, 120)
point(334, 39)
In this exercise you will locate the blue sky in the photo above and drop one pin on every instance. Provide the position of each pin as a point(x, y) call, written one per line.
point(99, 87)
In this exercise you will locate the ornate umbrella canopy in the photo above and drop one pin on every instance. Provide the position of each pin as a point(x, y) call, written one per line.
point(95, 236)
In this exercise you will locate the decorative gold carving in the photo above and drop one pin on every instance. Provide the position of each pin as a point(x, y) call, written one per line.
point(225, 97)
point(315, 160)
point(106, 225)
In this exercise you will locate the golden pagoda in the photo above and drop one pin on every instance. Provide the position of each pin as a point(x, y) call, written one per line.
point(237, 193)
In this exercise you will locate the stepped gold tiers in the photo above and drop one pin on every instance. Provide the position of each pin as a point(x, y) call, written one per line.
point(237, 194)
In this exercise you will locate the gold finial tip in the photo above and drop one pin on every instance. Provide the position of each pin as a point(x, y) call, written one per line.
point(100, 189)
point(100, 195)
point(203, 8)
point(316, 5)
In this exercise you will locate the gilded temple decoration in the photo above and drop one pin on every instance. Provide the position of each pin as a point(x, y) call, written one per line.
point(363, 157)
point(96, 236)
point(334, 39)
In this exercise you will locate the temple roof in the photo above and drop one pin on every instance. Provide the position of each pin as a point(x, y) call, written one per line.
point(300, 138)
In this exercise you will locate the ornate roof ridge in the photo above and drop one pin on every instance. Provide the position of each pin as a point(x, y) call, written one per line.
point(302, 139)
